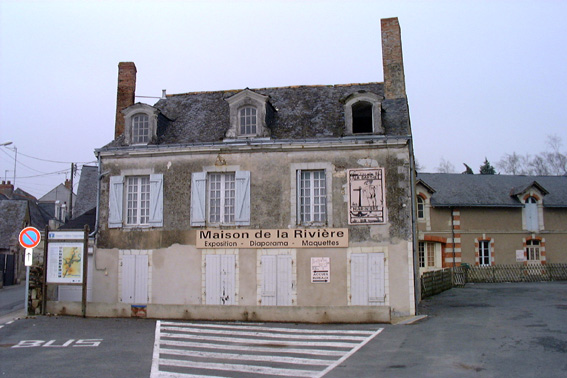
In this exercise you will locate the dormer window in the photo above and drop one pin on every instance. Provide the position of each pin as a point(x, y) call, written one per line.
point(363, 114)
point(140, 124)
point(362, 118)
point(248, 121)
point(140, 129)
point(250, 114)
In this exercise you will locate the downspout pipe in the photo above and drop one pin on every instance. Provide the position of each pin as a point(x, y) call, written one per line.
point(416, 278)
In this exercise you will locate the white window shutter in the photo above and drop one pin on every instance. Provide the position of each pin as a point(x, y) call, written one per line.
point(212, 279)
point(359, 279)
point(269, 273)
point(531, 216)
point(156, 200)
point(141, 291)
point(198, 198)
point(115, 201)
point(284, 280)
point(375, 278)
point(227, 284)
point(128, 278)
point(242, 203)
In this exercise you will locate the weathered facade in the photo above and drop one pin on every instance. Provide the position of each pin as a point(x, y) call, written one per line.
point(486, 220)
point(272, 204)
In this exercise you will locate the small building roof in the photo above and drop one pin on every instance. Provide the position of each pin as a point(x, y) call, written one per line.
point(460, 190)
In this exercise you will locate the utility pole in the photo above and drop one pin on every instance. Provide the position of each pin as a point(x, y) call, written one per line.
point(70, 207)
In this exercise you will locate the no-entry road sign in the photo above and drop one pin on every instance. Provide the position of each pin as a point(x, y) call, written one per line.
point(30, 237)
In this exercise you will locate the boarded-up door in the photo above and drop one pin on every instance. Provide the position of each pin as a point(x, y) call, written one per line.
point(276, 280)
point(220, 279)
point(135, 279)
point(367, 278)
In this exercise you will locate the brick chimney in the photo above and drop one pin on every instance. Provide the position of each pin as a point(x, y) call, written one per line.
point(394, 78)
point(7, 189)
point(126, 93)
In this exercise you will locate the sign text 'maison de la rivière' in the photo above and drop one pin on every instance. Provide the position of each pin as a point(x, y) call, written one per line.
point(274, 238)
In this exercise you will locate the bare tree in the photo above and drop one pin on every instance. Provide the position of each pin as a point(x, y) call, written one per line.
point(445, 166)
point(513, 164)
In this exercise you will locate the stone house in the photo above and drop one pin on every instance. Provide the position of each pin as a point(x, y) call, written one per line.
point(485, 220)
point(271, 204)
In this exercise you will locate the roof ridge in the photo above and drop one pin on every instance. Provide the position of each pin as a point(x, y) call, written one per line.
point(282, 87)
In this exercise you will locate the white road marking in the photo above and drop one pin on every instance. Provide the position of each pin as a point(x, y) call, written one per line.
point(251, 349)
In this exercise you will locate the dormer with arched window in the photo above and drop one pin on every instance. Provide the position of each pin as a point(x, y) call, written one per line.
point(531, 197)
point(249, 115)
point(140, 124)
point(363, 114)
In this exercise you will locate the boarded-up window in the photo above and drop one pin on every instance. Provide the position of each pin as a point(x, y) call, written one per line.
point(135, 279)
point(220, 279)
point(276, 280)
point(367, 279)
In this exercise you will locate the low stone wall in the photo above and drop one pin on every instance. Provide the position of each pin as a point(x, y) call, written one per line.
point(299, 314)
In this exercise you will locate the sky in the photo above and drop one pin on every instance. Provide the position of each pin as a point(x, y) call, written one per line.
point(483, 78)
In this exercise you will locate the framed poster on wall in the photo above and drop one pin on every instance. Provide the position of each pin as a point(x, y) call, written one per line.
point(65, 263)
point(367, 201)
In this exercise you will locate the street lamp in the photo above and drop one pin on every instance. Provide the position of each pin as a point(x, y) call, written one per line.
point(15, 158)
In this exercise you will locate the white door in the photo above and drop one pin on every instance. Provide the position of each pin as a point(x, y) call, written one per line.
point(135, 279)
point(367, 278)
point(276, 280)
point(220, 279)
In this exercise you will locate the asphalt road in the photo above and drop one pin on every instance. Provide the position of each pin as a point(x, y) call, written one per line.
point(12, 298)
point(482, 330)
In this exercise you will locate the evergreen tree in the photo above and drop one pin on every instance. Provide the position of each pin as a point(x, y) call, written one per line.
point(486, 168)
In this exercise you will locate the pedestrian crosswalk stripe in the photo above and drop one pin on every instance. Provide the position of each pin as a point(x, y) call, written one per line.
point(270, 329)
point(319, 352)
point(266, 334)
point(246, 357)
point(198, 350)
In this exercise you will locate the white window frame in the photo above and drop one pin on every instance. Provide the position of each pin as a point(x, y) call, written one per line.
point(140, 128)
point(533, 250)
point(137, 200)
point(484, 253)
point(224, 194)
point(420, 208)
point(429, 256)
point(248, 121)
point(296, 169)
point(312, 196)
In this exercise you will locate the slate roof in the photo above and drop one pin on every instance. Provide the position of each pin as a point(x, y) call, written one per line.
point(301, 112)
point(87, 190)
point(12, 221)
point(78, 223)
point(461, 190)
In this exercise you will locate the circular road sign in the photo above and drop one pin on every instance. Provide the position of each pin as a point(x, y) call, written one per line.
point(29, 237)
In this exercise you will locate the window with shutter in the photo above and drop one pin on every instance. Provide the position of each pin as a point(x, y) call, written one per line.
point(220, 198)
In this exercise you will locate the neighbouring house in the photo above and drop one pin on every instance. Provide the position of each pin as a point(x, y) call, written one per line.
point(18, 209)
point(56, 203)
point(485, 220)
point(272, 204)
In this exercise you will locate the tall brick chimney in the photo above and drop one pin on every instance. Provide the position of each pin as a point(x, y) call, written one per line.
point(125, 94)
point(394, 78)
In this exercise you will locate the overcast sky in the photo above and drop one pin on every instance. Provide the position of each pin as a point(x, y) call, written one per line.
point(483, 78)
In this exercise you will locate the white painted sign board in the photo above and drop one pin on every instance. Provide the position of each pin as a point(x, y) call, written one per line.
point(320, 269)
